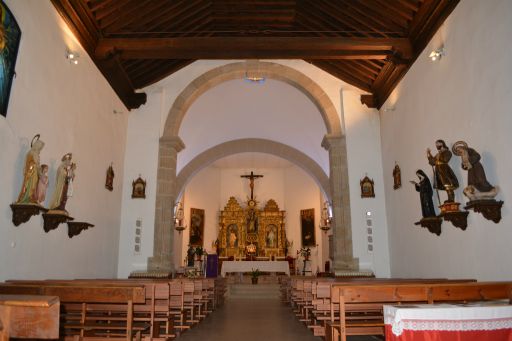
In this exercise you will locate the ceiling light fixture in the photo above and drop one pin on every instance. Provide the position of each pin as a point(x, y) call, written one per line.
point(72, 57)
point(253, 73)
point(436, 54)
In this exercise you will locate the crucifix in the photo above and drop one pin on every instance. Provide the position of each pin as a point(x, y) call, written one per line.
point(251, 178)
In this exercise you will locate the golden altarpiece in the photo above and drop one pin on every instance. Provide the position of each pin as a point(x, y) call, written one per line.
point(252, 231)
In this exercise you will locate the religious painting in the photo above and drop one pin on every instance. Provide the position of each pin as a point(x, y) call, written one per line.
point(232, 236)
point(367, 190)
point(271, 236)
point(196, 227)
point(307, 223)
point(139, 188)
point(397, 177)
point(10, 34)
point(109, 181)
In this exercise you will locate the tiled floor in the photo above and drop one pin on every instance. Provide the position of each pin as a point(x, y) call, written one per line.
point(252, 320)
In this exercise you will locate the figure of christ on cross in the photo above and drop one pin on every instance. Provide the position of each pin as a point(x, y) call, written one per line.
point(251, 178)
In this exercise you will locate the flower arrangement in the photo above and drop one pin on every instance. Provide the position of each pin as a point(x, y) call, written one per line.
point(304, 252)
point(255, 273)
point(199, 251)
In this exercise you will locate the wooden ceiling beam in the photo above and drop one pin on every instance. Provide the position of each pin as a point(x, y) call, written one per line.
point(252, 47)
point(174, 18)
point(385, 12)
point(341, 74)
point(364, 65)
point(386, 24)
point(143, 8)
point(327, 20)
point(104, 12)
point(329, 9)
point(406, 14)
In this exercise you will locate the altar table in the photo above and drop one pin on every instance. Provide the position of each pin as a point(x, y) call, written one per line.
point(248, 266)
point(482, 321)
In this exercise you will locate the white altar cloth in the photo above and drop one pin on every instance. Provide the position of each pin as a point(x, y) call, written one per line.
point(248, 266)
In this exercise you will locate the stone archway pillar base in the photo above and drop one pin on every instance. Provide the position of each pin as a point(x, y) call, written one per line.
point(162, 260)
point(340, 194)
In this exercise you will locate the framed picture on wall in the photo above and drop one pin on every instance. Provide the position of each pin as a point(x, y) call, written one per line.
point(139, 188)
point(307, 224)
point(10, 35)
point(367, 190)
point(196, 227)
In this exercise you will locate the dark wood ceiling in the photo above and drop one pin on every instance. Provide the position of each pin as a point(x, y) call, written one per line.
point(368, 43)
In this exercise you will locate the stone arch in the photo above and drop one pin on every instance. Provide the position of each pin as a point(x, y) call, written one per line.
point(170, 145)
point(253, 145)
point(232, 71)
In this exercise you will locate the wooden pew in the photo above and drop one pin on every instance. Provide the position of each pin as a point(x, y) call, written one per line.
point(83, 307)
point(360, 306)
point(42, 311)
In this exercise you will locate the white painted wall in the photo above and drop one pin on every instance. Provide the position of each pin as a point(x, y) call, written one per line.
point(71, 106)
point(211, 119)
point(466, 96)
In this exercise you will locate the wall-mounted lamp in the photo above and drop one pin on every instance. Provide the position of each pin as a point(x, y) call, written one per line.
point(436, 54)
point(72, 57)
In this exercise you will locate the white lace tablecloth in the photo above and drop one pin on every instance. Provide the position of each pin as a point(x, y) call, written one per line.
point(248, 266)
point(449, 317)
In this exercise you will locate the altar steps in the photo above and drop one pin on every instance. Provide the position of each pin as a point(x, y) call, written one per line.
point(250, 291)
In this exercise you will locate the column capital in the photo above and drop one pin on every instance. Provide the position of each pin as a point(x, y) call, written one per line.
point(174, 142)
point(330, 141)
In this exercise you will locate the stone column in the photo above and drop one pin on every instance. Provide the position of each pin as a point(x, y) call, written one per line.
point(162, 260)
point(340, 195)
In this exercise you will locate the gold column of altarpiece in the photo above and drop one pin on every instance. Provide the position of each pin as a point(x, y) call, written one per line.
point(242, 227)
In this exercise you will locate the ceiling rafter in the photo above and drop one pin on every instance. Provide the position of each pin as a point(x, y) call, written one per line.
point(387, 25)
point(327, 7)
point(367, 43)
point(132, 15)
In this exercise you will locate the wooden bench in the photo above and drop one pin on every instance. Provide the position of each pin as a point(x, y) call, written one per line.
point(43, 312)
point(360, 306)
point(87, 311)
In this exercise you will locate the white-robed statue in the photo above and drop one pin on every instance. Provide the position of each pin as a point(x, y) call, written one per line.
point(63, 184)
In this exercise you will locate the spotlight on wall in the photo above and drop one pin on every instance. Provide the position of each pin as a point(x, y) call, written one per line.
point(72, 57)
point(436, 54)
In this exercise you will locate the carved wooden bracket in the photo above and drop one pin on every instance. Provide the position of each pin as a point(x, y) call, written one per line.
point(490, 208)
point(75, 227)
point(21, 213)
point(458, 219)
point(433, 224)
point(52, 220)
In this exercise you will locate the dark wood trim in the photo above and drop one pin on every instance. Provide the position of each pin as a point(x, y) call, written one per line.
point(251, 47)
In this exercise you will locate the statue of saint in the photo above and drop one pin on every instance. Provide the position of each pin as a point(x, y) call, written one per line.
point(65, 175)
point(109, 182)
point(31, 173)
point(252, 222)
point(42, 185)
point(232, 239)
point(444, 178)
point(425, 189)
point(190, 255)
point(478, 186)
point(271, 238)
